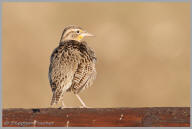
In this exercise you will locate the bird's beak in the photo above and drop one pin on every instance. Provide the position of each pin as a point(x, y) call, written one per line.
point(84, 34)
point(87, 34)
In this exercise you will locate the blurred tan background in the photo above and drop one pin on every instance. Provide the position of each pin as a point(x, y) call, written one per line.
point(143, 52)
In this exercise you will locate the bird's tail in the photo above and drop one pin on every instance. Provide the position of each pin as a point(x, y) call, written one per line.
point(55, 98)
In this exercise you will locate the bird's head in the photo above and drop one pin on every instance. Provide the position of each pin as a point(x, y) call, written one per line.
point(73, 32)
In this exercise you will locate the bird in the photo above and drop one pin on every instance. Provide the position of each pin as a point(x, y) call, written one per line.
point(72, 65)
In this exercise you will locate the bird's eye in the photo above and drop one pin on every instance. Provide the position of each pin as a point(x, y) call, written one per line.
point(78, 31)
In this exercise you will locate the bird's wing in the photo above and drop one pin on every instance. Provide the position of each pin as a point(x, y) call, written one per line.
point(85, 73)
point(63, 66)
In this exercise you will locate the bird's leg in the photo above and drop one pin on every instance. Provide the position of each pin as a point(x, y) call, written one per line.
point(63, 104)
point(83, 104)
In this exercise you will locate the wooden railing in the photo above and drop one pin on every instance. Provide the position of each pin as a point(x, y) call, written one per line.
point(98, 117)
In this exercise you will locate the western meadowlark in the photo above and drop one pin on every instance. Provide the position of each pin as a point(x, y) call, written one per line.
point(72, 65)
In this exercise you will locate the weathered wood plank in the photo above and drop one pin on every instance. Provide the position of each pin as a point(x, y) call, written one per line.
point(98, 117)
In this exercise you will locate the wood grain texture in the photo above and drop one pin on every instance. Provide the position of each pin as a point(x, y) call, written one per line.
point(98, 117)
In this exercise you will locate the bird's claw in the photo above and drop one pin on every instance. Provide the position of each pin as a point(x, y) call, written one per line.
point(62, 107)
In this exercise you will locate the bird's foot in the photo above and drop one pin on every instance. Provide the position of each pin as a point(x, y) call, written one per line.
point(62, 107)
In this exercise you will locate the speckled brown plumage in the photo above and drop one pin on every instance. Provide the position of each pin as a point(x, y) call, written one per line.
point(72, 68)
